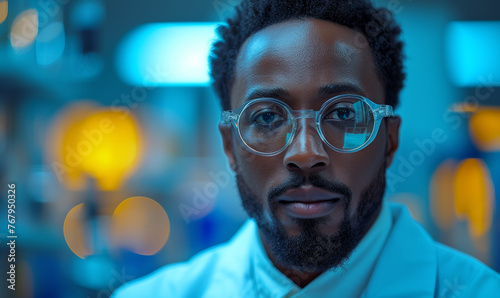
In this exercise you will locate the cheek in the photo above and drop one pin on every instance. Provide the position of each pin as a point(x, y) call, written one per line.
point(362, 167)
point(258, 172)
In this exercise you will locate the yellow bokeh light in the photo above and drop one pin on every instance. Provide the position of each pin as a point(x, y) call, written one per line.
point(441, 192)
point(66, 165)
point(110, 147)
point(24, 29)
point(484, 127)
point(473, 193)
point(4, 10)
point(100, 143)
point(76, 233)
point(140, 225)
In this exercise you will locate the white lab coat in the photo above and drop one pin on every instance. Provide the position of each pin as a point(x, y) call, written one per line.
point(410, 264)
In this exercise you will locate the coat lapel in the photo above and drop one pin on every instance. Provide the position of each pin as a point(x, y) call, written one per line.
point(407, 266)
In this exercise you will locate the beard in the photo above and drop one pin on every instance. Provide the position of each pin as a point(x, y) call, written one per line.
point(312, 250)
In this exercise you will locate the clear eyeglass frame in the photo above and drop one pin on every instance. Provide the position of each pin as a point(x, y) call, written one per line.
point(378, 112)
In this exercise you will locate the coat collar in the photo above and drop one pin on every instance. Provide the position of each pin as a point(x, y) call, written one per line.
point(407, 266)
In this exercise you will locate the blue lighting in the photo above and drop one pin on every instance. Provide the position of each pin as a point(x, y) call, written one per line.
point(473, 50)
point(87, 14)
point(50, 44)
point(166, 54)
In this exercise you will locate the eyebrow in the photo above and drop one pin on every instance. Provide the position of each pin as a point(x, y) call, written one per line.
point(340, 88)
point(332, 89)
point(272, 93)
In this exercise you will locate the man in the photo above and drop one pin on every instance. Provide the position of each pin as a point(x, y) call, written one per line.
point(308, 90)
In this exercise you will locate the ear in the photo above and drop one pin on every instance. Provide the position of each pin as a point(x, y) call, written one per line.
point(227, 140)
point(393, 124)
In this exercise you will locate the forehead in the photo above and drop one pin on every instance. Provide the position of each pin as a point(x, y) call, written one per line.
point(301, 57)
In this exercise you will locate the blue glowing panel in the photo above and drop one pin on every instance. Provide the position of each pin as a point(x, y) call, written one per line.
point(166, 54)
point(473, 53)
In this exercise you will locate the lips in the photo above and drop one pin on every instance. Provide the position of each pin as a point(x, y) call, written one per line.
point(309, 202)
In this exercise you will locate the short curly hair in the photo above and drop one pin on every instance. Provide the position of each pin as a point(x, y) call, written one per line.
point(377, 25)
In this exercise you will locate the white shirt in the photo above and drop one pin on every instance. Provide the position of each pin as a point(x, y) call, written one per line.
point(396, 258)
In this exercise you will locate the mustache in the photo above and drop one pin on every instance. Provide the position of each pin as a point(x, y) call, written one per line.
point(316, 180)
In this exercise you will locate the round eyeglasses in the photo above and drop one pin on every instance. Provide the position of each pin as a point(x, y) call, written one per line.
point(346, 123)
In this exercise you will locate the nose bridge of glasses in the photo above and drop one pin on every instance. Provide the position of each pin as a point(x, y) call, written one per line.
point(304, 114)
point(303, 125)
point(306, 126)
point(307, 145)
point(301, 117)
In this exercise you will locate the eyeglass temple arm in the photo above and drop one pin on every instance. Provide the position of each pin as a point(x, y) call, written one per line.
point(228, 116)
point(383, 111)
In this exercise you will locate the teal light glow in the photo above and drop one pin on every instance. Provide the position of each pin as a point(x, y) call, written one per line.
point(473, 53)
point(168, 54)
point(50, 44)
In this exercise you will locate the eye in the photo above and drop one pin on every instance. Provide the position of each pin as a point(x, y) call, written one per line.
point(267, 117)
point(341, 113)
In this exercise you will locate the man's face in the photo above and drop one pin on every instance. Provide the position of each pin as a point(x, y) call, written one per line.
point(312, 204)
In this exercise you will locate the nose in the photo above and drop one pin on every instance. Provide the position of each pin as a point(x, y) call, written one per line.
point(306, 153)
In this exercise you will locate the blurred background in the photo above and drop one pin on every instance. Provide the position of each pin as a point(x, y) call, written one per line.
point(108, 129)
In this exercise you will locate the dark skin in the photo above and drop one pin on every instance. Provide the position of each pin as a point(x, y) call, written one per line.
point(294, 61)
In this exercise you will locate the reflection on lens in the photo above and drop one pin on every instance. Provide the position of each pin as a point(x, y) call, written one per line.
point(265, 126)
point(347, 124)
